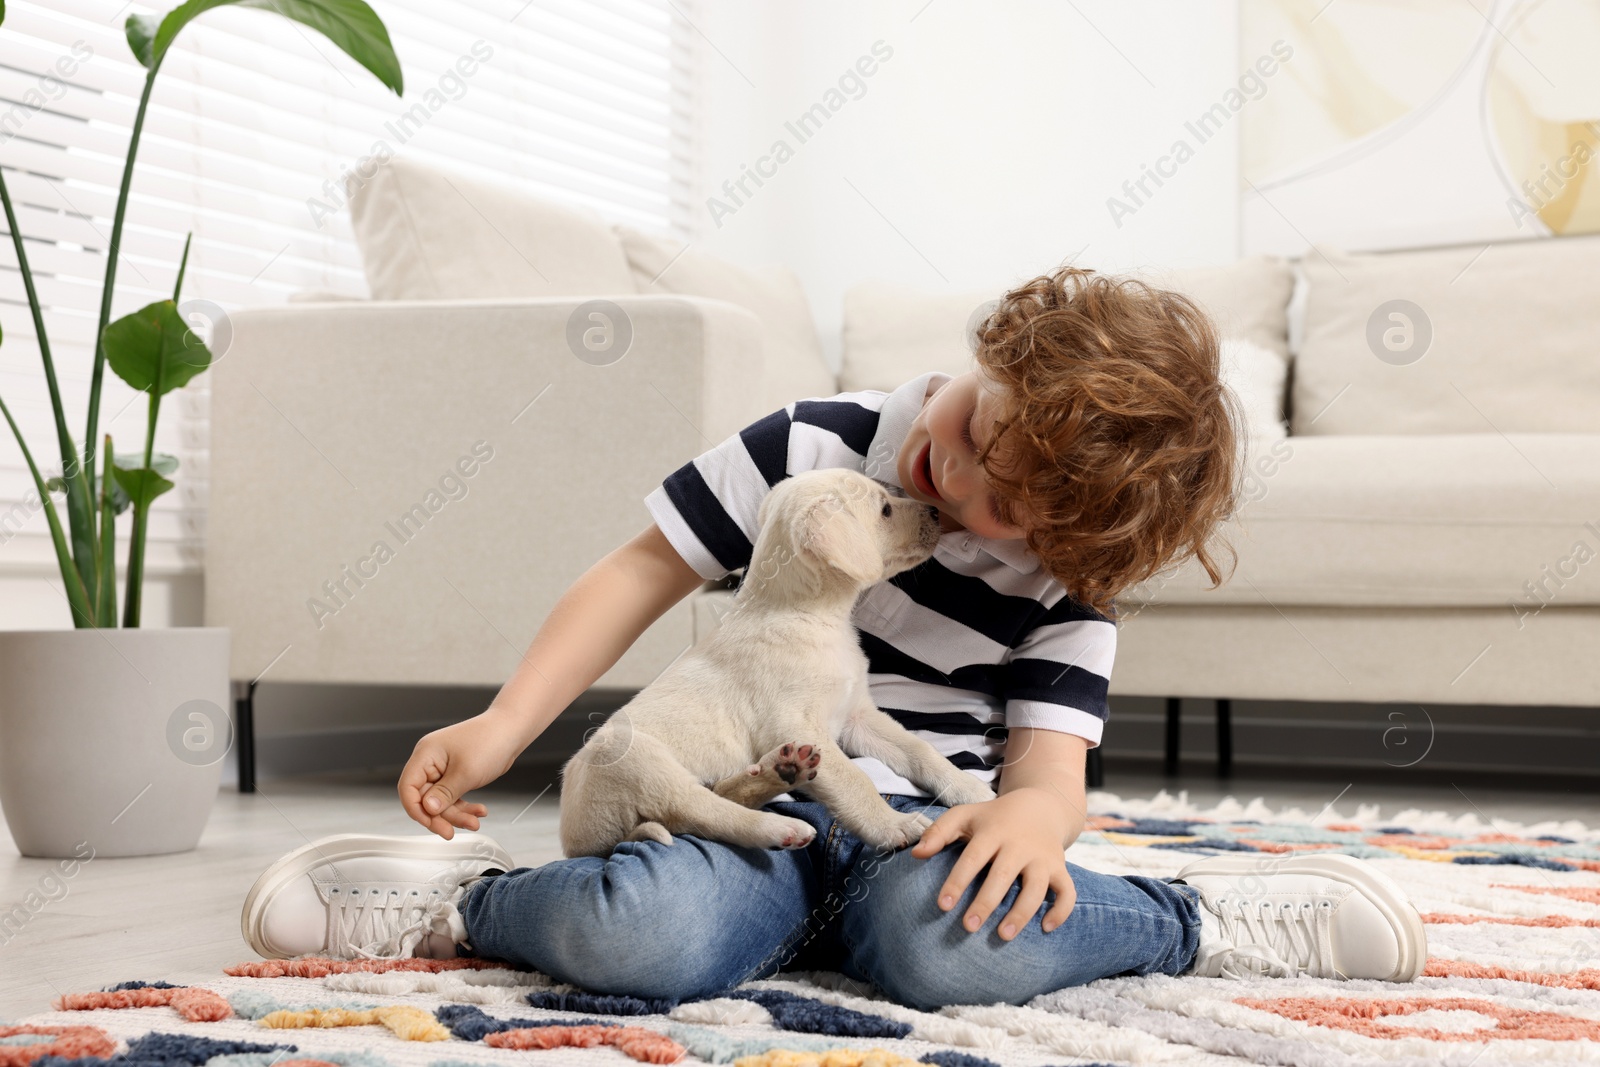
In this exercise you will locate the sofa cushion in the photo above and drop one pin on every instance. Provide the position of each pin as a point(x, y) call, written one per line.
point(1248, 299)
point(428, 234)
point(1258, 377)
point(1478, 520)
point(893, 333)
point(794, 364)
point(1515, 338)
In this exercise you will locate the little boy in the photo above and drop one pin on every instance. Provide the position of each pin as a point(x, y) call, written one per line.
point(1093, 446)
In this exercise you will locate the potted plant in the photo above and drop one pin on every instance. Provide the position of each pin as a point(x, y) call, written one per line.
point(112, 737)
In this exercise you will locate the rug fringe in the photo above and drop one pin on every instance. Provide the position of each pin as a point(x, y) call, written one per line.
point(1367, 816)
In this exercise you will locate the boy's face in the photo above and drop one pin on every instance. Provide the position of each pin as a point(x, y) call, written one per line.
point(954, 425)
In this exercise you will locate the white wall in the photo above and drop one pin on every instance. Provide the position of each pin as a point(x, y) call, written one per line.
point(982, 152)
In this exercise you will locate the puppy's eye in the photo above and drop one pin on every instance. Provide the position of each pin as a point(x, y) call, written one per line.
point(888, 509)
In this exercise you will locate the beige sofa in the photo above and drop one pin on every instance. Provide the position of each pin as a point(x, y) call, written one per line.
point(1388, 541)
point(1398, 511)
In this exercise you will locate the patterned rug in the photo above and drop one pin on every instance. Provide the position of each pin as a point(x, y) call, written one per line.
point(1513, 977)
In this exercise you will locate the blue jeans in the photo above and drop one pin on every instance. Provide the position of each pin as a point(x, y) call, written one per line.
point(696, 918)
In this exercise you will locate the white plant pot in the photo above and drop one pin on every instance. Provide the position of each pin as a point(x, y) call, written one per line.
point(114, 738)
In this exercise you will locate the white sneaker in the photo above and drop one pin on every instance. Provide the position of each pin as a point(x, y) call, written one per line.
point(1323, 915)
point(368, 896)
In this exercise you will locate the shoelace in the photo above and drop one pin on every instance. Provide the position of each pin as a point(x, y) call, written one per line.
point(1281, 941)
point(388, 924)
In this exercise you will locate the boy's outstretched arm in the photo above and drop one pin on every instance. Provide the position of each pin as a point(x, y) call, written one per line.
point(596, 620)
point(1022, 833)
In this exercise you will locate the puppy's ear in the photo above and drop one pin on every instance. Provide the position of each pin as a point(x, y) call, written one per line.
point(831, 535)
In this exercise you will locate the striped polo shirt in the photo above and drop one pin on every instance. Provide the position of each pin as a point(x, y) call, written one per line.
point(977, 639)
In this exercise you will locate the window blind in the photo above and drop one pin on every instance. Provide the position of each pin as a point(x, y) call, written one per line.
point(253, 127)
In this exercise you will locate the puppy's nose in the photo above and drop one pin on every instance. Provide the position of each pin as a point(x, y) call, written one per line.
point(933, 511)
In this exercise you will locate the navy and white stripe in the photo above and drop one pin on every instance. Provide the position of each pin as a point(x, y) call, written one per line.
point(961, 648)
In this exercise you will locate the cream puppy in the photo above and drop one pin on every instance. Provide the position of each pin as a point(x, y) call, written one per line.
point(775, 698)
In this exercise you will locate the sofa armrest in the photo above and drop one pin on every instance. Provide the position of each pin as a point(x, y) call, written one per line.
point(322, 296)
point(400, 491)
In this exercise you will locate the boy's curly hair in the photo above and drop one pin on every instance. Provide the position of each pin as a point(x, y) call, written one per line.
point(1119, 436)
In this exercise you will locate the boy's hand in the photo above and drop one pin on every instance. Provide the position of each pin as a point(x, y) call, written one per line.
point(1019, 833)
point(1022, 833)
point(450, 762)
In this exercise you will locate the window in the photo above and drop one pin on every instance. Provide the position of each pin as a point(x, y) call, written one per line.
point(252, 127)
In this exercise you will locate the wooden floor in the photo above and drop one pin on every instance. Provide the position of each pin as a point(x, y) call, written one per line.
point(176, 918)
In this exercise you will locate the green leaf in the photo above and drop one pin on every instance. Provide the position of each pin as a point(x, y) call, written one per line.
point(161, 463)
point(77, 592)
point(350, 24)
point(105, 601)
point(141, 484)
point(154, 350)
point(64, 483)
point(141, 31)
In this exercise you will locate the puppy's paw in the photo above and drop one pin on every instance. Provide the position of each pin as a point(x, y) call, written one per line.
point(783, 832)
point(900, 830)
point(963, 788)
point(785, 767)
point(794, 763)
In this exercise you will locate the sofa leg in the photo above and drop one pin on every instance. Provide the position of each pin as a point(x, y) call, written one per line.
point(1094, 772)
point(1224, 737)
point(244, 726)
point(1174, 709)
